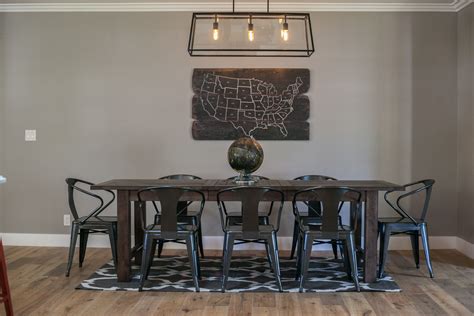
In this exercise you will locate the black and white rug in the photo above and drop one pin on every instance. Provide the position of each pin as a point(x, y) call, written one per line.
point(247, 274)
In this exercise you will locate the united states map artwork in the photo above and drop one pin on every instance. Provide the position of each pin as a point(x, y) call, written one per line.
point(267, 104)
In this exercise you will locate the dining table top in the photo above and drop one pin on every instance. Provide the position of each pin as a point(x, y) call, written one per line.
point(219, 184)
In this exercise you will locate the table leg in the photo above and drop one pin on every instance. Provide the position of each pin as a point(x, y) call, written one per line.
point(370, 238)
point(139, 230)
point(123, 238)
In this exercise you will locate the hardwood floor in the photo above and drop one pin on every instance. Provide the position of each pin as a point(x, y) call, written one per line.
point(39, 288)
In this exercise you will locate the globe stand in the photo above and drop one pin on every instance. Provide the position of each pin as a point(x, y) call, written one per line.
point(246, 179)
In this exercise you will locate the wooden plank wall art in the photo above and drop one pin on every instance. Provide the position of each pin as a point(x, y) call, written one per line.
point(266, 103)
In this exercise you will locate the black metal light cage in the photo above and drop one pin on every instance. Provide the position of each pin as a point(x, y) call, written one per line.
point(306, 50)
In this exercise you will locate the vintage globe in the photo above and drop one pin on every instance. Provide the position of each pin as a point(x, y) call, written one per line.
point(245, 155)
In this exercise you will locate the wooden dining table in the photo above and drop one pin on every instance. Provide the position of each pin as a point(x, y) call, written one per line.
point(127, 193)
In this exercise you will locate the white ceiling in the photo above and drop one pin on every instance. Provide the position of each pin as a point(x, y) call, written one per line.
point(225, 5)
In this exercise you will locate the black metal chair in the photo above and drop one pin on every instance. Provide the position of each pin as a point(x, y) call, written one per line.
point(235, 217)
point(90, 224)
point(170, 228)
point(313, 215)
point(407, 224)
point(251, 228)
point(186, 216)
point(330, 199)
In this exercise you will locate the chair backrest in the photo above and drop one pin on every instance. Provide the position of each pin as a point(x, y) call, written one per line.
point(250, 198)
point(314, 207)
point(314, 177)
point(330, 199)
point(181, 177)
point(182, 205)
point(418, 187)
point(169, 198)
point(74, 185)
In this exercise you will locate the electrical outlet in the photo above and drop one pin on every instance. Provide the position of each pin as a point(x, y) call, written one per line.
point(67, 220)
point(30, 135)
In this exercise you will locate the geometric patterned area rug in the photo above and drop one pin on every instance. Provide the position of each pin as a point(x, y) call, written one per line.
point(247, 274)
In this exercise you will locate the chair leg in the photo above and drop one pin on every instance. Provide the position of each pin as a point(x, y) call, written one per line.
point(305, 258)
point(384, 240)
point(161, 243)
point(295, 239)
point(265, 221)
point(273, 245)
point(352, 254)
point(197, 257)
point(347, 262)
point(426, 248)
point(228, 248)
point(152, 256)
point(83, 236)
point(223, 246)
point(72, 247)
point(299, 255)
point(5, 292)
point(415, 245)
point(192, 254)
point(146, 257)
point(334, 248)
point(194, 220)
point(113, 243)
point(269, 256)
point(201, 246)
point(341, 250)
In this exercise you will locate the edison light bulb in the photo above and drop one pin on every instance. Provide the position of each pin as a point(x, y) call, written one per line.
point(215, 31)
point(251, 33)
point(251, 36)
point(284, 32)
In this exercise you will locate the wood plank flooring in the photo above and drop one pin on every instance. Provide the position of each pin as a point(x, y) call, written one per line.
point(39, 288)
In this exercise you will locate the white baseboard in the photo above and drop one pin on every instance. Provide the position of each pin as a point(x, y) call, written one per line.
point(215, 242)
point(465, 247)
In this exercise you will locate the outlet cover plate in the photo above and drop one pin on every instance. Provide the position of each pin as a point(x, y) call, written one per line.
point(67, 220)
point(30, 135)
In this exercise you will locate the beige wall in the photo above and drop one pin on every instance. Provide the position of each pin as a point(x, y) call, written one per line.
point(2, 121)
point(110, 95)
point(466, 121)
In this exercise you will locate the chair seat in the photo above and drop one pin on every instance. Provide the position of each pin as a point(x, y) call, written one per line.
point(314, 231)
point(307, 214)
point(261, 228)
point(97, 220)
point(311, 218)
point(398, 220)
point(317, 228)
point(182, 228)
point(239, 214)
point(189, 213)
point(188, 216)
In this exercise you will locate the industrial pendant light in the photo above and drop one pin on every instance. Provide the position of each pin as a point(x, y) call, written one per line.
point(252, 34)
